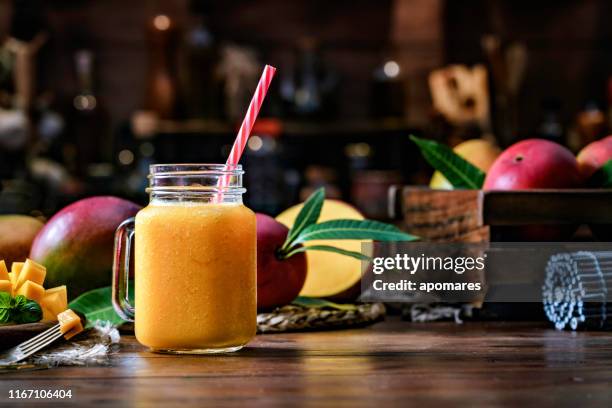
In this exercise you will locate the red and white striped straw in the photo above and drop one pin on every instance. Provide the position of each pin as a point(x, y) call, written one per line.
point(249, 121)
point(251, 115)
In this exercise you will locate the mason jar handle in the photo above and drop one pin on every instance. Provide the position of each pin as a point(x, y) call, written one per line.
point(124, 237)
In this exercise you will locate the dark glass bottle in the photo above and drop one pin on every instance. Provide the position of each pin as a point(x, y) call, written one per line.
point(313, 90)
point(161, 96)
point(387, 90)
point(88, 122)
point(200, 91)
point(550, 126)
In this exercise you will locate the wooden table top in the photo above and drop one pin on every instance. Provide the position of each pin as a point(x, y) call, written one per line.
point(391, 363)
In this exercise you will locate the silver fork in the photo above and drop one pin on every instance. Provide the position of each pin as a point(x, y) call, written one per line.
point(29, 347)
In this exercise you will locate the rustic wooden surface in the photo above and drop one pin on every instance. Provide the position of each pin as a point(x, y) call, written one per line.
point(388, 364)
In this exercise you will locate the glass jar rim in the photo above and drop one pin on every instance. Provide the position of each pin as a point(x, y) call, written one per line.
point(194, 168)
point(194, 180)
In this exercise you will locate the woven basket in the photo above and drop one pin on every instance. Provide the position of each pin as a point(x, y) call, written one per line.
point(297, 318)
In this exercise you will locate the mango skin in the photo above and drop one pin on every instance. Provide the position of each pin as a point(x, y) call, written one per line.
point(533, 163)
point(594, 155)
point(76, 245)
point(17, 232)
point(279, 281)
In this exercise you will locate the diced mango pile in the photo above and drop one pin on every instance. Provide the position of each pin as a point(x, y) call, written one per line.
point(27, 278)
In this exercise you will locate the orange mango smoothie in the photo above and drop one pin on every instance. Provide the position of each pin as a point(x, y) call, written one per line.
point(195, 276)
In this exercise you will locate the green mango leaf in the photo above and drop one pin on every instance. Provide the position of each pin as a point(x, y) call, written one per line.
point(97, 305)
point(458, 171)
point(602, 178)
point(353, 229)
point(309, 214)
point(327, 248)
point(315, 303)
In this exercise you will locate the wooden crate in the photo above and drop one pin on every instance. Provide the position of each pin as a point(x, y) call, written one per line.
point(471, 215)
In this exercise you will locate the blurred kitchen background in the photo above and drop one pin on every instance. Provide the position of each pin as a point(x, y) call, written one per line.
point(92, 92)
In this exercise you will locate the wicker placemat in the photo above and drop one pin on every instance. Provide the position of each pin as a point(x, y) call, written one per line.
point(297, 318)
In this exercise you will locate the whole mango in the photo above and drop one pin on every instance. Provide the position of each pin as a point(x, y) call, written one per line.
point(16, 235)
point(76, 245)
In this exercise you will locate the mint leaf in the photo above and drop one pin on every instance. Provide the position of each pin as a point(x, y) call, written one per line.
point(5, 307)
point(25, 310)
point(602, 178)
point(327, 248)
point(458, 171)
point(18, 302)
point(18, 309)
point(308, 215)
point(353, 229)
point(97, 305)
point(316, 303)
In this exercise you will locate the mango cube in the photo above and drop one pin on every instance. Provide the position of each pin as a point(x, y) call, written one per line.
point(48, 316)
point(3, 271)
point(32, 291)
point(62, 291)
point(6, 286)
point(14, 275)
point(70, 323)
point(16, 268)
point(31, 271)
point(56, 303)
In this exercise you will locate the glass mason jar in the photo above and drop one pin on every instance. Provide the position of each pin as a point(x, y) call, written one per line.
point(194, 262)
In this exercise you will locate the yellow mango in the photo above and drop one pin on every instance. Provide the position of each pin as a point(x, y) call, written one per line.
point(32, 291)
point(62, 291)
point(31, 271)
point(48, 316)
point(15, 269)
point(3, 271)
point(6, 286)
point(56, 303)
point(329, 273)
point(14, 274)
point(70, 323)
